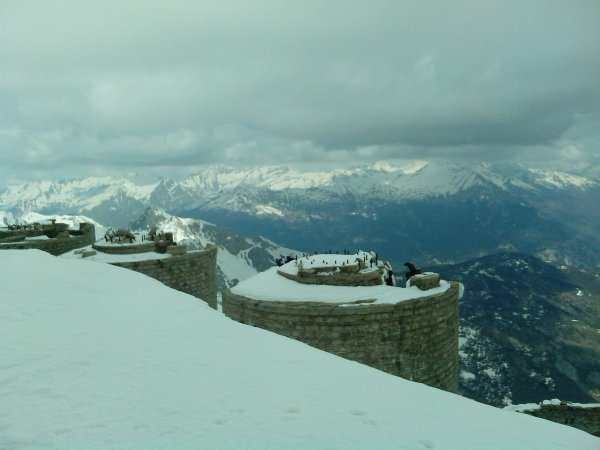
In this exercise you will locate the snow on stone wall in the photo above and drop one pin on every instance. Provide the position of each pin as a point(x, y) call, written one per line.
point(586, 417)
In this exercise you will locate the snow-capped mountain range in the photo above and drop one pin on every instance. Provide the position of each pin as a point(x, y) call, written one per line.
point(417, 179)
point(421, 210)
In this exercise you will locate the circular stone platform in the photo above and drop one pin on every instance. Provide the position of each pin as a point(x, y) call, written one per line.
point(411, 332)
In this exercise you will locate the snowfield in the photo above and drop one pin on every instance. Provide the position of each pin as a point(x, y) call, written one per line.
point(96, 356)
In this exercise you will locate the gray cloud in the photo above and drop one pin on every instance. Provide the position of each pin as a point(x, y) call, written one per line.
point(105, 86)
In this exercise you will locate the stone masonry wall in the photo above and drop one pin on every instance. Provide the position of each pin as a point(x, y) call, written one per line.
point(59, 245)
point(194, 273)
point(415, 339)
point(584, 418)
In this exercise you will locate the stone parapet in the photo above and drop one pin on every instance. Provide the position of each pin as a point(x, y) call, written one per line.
point(584, 417)
point(59, 239)
point(425, 281)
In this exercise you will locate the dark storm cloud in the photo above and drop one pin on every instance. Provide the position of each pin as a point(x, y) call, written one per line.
point(93, 86)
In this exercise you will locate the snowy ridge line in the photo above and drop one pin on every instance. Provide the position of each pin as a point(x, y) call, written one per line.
point(413, 179)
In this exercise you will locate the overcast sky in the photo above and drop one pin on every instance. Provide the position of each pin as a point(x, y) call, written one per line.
point(103, 87)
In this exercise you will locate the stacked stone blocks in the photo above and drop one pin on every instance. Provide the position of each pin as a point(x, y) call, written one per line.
point(586, 418)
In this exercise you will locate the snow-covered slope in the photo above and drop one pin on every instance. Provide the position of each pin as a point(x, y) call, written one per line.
point(95, 356)
point(559, 179)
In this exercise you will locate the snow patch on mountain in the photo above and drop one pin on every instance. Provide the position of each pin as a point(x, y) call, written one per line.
point(481, 368)
point(408, 168)
point(279, 192)
point(560, 180)
point(268, 210)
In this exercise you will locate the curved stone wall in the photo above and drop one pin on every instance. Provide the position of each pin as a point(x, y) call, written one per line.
point(415, 339)
point(64, 241)
point(194, 273)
